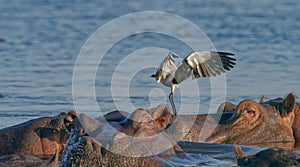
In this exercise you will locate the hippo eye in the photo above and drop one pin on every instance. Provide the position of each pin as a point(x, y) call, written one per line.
point(250, 111)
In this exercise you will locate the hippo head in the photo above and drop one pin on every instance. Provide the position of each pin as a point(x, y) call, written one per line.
point(140, 123)
point(258, 123)
point(56, 128)
point(41, 136)
point(142, 126)
point(86, 151)
point(150, 122)
point(54, 131)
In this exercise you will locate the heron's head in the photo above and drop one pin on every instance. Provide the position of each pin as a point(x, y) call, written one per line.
point(153, 75)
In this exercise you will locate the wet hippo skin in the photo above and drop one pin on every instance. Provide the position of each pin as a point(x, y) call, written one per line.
point(180, 127)
point(136, 140)
point(41, 136)
point(259, 124)
point(293, 119)
point(268, 157)
point(86, 151)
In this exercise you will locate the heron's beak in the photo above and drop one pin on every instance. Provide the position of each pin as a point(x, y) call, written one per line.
point(153, 75)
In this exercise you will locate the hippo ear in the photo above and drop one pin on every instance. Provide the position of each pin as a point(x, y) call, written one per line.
point(240, 155)
point(87, 124)
point(262, 99)
point(162, 116)
point(69, 117)
point(238, 152)
point(137, 117)
point(288, 105)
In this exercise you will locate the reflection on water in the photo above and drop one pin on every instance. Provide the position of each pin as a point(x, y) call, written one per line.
point(217, 154)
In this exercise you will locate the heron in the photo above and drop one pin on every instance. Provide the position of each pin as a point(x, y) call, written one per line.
point(197, 64)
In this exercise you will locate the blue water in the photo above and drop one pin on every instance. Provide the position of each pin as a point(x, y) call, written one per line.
point(43, 40)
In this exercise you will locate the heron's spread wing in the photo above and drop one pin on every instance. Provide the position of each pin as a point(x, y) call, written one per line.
point(166, 67)
point(209, 63)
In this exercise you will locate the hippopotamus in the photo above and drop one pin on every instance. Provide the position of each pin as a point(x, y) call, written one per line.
point(135, 139)
point(293, 118)
point(25, 160)
point(268, 157)
point(144, 126)
point(37, 137)
point(249, 123)
point(179, 127)
point(151, 134)
point(120, 138)
point(87, 151)
point(260, 124)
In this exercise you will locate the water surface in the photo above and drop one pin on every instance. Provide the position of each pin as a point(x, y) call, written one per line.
point(43, 39)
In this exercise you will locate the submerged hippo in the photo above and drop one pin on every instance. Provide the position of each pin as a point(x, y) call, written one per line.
point(250, 123)
point(24, 160)
point(150, 134)
point(259, 124)
point(39, 137)
point(180, 127)
point(134, 140)
point(142, 126)
point(269, 157)
point(86, 151)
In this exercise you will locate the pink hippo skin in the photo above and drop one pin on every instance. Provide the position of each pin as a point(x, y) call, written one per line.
point(39, 137)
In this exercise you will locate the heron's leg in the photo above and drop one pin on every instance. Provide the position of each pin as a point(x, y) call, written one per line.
point(172, 102)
